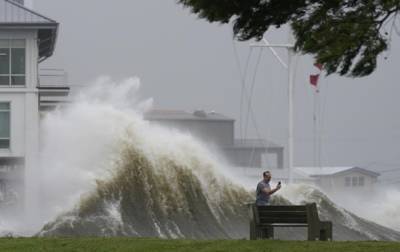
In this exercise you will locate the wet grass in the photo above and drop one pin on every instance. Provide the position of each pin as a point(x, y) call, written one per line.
point(135, 244)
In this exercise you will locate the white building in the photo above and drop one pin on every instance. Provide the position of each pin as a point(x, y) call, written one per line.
point(342, 180)
point(26, 39)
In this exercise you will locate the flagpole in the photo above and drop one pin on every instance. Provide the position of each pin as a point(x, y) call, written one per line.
point(290, 128)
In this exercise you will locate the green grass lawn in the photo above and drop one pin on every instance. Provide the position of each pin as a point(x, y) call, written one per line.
point(135, 244)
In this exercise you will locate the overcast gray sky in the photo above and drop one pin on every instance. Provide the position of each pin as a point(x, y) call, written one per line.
point(187, 63)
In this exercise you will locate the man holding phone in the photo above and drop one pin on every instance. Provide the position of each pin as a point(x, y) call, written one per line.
point(264, 190)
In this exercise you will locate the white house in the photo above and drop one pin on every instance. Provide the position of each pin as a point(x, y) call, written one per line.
point(26, 39)
point(347, 180)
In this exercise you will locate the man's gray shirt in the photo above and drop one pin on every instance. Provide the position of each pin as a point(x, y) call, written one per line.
point(262, 197)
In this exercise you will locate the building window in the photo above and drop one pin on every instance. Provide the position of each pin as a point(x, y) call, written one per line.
point(12, 62)
point(354, 181)
point(4, 125)
point(347, 181)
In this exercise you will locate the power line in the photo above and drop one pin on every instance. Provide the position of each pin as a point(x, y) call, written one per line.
point(243, 81)
point(250, 98)
point(244, 95)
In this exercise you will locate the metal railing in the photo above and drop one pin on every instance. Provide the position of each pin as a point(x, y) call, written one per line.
point(53, 77)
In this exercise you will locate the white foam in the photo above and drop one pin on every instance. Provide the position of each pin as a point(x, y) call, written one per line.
point(82, 142)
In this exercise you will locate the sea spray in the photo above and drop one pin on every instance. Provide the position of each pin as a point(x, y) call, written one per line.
point(153, 204)
point(107, 172)
point(79, 142)
point(381, 205)
point(157, 178)
point(139, 179)
point(345, 223)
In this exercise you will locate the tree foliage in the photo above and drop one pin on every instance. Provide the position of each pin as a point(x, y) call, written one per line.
point(346, 36)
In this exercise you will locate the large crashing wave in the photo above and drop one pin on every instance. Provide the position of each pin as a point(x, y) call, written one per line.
point(150, 181)
point(157, 182)
point(162, 198)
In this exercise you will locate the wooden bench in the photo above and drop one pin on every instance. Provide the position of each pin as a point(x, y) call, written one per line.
point(263, 219)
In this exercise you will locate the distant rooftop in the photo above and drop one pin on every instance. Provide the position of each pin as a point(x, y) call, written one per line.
point(16, 16)
point(162, 114)
point(335, 170)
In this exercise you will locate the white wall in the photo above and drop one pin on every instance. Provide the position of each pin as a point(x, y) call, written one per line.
point(23, 115)
point(25, 119)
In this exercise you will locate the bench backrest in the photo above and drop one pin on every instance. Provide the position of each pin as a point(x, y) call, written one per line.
point(299, 214)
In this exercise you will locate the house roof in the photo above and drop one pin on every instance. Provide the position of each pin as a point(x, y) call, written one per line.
point(162, 114)
point(16, 16)
point(334, 171)
point(15, 13)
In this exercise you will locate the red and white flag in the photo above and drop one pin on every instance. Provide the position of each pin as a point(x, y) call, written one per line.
point(315, 77)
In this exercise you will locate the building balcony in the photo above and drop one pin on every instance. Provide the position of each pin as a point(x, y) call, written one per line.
point(53, 88)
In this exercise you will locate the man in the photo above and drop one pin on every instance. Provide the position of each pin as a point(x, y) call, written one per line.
point(264, 190)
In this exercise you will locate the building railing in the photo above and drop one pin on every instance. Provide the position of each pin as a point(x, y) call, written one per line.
point(53, 77)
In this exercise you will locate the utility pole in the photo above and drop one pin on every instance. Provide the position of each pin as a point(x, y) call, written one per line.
point(290, 68)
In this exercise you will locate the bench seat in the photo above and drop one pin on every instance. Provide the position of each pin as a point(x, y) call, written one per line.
point(263, 219)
